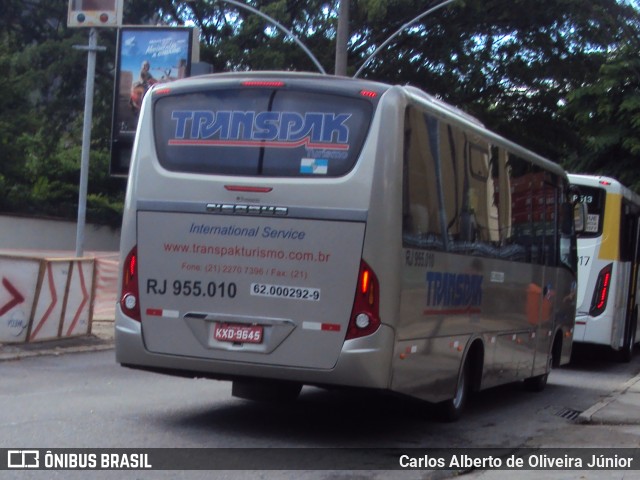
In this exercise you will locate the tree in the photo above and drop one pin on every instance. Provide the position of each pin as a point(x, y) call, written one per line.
point(561, 79)
point(514, 71)
point(41, 116)
point(607, 115)
point(512, 64)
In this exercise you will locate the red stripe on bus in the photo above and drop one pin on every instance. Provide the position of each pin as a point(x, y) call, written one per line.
point(330, 327)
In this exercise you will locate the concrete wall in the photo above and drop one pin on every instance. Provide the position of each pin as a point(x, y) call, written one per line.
point(42, 234)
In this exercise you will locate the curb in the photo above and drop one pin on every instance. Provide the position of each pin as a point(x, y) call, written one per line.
point(55, 351)
point(588, 415)
point(100, 339)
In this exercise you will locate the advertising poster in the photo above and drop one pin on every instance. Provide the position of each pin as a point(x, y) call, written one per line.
point(145, 57)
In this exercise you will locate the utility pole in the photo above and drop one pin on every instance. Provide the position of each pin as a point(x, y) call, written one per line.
point(98, 13)
point(342, 38)
point(91, 49)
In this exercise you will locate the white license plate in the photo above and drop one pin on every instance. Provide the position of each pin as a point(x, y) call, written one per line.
point(238, 333)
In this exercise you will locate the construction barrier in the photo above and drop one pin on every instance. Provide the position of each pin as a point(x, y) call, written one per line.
point(45, 298)
point(106, 286)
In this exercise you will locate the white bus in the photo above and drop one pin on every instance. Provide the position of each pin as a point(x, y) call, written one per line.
point(607, 312)
point(289, 229)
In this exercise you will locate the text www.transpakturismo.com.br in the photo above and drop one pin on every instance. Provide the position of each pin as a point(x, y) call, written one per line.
point(245, 252)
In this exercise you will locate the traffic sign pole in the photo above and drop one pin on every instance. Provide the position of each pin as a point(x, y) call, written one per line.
point(91, 49)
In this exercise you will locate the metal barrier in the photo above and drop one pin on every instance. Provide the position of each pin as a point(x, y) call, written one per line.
point(46, 298)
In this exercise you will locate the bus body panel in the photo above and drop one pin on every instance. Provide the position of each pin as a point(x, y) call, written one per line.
point(198, 236)
point(363, 362)
point(280, 282)
point(516, 321)
point(600, 247)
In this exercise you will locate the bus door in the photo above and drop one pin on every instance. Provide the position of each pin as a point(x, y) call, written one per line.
point(629, 235)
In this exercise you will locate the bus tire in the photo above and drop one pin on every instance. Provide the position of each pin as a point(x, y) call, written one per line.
point(537, 383)
point(451, 410)
point(626, 353)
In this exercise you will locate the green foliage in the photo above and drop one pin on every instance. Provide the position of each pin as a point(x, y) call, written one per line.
point(561, 77)
point(41, 116)
point(607, 116)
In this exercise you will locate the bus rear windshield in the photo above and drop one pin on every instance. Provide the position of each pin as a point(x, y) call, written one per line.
point(261, 132)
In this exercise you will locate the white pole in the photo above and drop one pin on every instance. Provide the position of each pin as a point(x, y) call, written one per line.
point(92, 48)
point(397, 32)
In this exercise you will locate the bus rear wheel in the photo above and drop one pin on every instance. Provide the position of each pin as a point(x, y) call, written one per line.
point(537, 383)
point(451, 410)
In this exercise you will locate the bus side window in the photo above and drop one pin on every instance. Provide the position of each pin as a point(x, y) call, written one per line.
point(519, 234)
point(548, 229)
point(422, 178)
point(568, 254)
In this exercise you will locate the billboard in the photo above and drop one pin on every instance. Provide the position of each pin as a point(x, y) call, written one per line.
point(94, 13)
point(145, 56)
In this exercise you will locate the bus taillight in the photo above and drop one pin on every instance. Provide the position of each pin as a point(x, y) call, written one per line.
point(263, 83)
point(601, 292)
point(365, 317)
point(129, 298)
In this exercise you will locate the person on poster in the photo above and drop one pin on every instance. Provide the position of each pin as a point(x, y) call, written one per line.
point(135, 99)
point(146, 78)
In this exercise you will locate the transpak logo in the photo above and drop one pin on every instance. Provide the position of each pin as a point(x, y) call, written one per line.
point(453, 293)
point(261, 129)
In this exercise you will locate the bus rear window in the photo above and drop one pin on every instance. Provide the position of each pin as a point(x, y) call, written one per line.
point(261, 132)
point(594, 198)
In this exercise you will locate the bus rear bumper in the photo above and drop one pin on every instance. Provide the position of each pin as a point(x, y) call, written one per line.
point(594, 330)
point(363, 362)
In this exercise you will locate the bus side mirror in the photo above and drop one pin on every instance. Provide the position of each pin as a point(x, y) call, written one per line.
point(580, 217)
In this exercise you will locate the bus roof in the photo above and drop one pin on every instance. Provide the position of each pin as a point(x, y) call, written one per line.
point(609, 184)
point(300, 78)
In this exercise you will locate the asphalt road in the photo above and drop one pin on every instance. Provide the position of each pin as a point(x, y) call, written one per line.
point(86, 400)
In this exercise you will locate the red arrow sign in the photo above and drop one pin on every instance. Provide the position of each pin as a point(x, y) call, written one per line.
point(16, 299)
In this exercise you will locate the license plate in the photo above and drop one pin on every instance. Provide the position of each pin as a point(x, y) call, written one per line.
point(237, 333)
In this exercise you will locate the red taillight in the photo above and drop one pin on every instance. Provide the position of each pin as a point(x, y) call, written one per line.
point(368, 93)
point(129, 298)
point(365, 317)
point(601, 292)
point(364, 282)
point(263, 83)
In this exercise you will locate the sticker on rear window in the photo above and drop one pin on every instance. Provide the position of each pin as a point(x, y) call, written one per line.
point(314, 166)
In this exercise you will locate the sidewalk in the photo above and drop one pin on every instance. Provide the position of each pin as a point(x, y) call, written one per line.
point(621, 407)
point(101, 338)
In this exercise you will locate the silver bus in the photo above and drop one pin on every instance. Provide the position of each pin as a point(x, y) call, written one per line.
point(608, 257)
point(289, 229)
